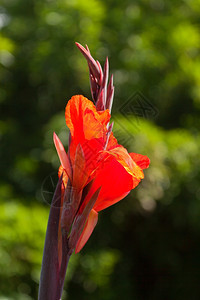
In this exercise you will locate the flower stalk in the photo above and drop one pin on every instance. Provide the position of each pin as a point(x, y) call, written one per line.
point(53, 272)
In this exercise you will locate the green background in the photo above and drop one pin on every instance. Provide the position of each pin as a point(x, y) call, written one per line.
point(148, 245)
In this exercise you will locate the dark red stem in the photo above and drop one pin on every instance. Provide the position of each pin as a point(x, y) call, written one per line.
point(52, 274)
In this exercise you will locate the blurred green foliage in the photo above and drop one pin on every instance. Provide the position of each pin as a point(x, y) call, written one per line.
point(147, 246)
point(22, 235)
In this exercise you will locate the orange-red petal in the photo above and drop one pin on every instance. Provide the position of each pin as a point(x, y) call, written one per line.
point(87, 231)
point(117, 175)
point(80, 176)
point(88, 128)
point(141, 160)
point(123, 157)
point(83, 120)
point(64, 160)
point(115, 181)
point(112, 142)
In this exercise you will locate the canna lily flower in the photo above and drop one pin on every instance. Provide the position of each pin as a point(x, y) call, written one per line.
point(94, 174)
point(101, 160)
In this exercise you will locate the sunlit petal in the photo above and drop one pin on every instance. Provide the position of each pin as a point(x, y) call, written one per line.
point(64, 160)
point(88, 229)
point(141, 160)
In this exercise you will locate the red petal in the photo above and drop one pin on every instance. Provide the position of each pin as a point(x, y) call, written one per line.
point(123, 157)
point(88, 128)
point(79, 175)
point(117, 174)
point(87, 231)
point(83, 120)
point(141, 160)
point(62, 155)
point(115, 181)
point(112, 143)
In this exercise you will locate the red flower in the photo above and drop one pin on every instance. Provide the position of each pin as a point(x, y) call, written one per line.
point(95, 159)
point(95, 173)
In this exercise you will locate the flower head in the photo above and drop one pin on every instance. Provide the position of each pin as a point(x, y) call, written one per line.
point(96, 172)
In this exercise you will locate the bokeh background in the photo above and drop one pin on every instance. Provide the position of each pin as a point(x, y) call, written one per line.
point(146, 247)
